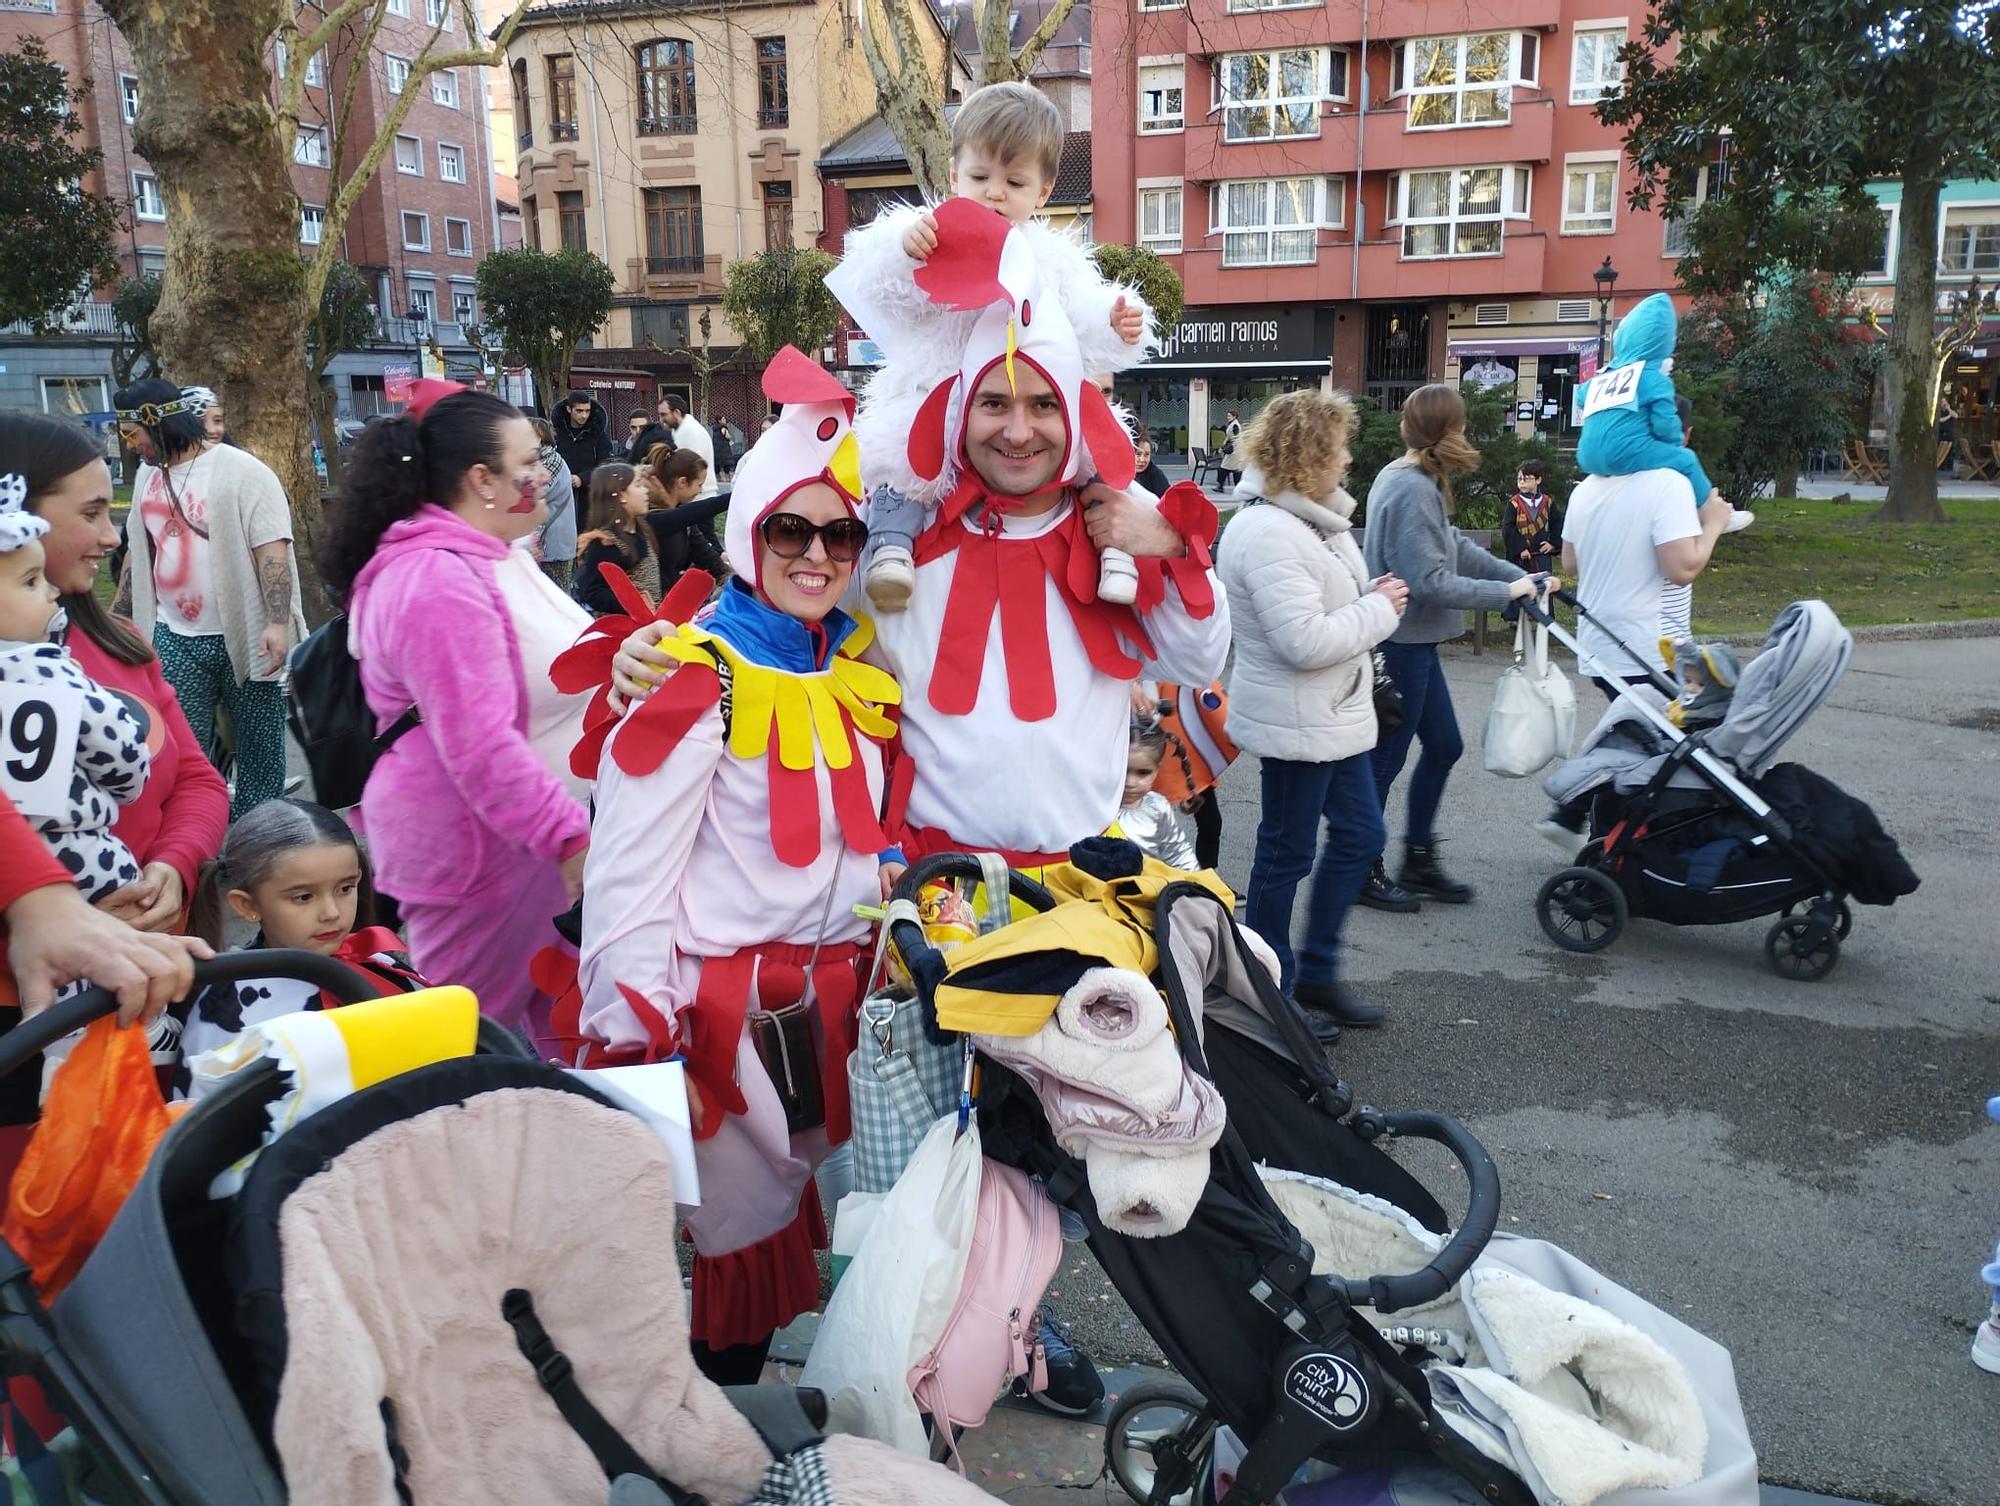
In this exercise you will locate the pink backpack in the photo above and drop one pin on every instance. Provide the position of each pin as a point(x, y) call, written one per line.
point(990, 1336)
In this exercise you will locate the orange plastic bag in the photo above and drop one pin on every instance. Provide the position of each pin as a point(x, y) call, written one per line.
point(103, 1116)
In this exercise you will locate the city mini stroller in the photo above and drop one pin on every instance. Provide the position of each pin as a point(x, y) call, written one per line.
point(1300, 1361)
point(1709, 829)
point(456, 1286)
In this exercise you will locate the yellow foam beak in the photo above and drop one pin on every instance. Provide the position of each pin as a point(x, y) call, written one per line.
point(845, 467)
point(1011, 388)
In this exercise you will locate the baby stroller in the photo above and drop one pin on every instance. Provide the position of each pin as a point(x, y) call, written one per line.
point(1707, 829)
point(1279, 1354)
point(398, 1304)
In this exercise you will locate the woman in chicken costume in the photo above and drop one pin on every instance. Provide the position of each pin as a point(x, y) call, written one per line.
point(736, 829)
point(1011, 662)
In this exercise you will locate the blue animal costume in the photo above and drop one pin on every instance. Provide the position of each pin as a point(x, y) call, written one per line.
point(1630, 422)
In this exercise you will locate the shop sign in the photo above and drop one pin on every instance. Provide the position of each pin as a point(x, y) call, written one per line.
point(1271, 334)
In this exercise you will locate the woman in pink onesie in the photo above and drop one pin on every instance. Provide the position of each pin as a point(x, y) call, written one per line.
point(467, 828)
point(737, 828)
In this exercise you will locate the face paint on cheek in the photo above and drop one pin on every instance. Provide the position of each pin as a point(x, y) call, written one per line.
point(530, 495)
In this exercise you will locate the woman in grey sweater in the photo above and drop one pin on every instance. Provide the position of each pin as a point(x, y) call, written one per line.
point(1409, 534)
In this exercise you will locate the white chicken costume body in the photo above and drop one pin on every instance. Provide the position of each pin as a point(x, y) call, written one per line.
point(1016, 677)
point(736, 828)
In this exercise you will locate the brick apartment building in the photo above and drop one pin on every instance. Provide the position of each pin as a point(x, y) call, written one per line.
point(1376, 194)
point(418, 231)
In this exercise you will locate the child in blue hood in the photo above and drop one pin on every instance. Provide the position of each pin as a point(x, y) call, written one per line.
point(1630, 422)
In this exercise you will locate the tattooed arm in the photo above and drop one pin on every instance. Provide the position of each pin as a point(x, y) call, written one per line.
point(121, 601)
point(274, 585)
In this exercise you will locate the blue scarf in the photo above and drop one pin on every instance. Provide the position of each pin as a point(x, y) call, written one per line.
point(764, 635)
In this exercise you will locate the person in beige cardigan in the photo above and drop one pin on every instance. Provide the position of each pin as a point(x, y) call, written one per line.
point(212, 581)
point(1301, 689)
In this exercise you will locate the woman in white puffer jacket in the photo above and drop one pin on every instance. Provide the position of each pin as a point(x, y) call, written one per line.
point(1301, 689)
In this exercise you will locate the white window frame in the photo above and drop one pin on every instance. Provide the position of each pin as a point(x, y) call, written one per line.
point(1988, 215)
point(397, 70)
point(469, 292)
point(1162, 5)
point(424, 287)
point(1673, 228)
point(1458, 90)
point(1162, 122)
point(444, 88)
point(316, 70)
point(309, 146)
point(1304, 233)
point(437, 14)
point(425, 221)
point(312, 217)
point(1891, 242)
point(1244, 7)
point(128, 97)
point(1513, 206)
point(1159, 242)
point(1273, 102)
point(449, 221)
point(416, 154)
point(450, 146)
point(1589, 91)
point(145, 190)
point(1591, 162)
point(399, 7)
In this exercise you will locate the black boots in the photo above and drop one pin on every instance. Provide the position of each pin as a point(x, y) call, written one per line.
point(1379, 892)
point(1337, 1002)
point(1421, 875)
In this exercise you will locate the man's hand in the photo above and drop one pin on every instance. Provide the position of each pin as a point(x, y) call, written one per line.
point(572, 873)
point(152, 902)
point(1129, 320)
point(1715, 513)
point(54, 938)
point(920, 240)
point(889, 874)
point(1116, 521)
point(272, 646)
point(638, 671)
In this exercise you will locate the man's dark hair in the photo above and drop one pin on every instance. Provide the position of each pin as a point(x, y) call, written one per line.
point(1532, 467)
point(675, 403)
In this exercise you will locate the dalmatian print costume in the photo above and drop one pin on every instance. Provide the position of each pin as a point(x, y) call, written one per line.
point(111, 765)
point(112, 759)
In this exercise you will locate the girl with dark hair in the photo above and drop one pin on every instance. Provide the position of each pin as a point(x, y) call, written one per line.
point(1410, 535)
point(211, 575)
point(649, 526)
point(479, 842)
point(295, 871)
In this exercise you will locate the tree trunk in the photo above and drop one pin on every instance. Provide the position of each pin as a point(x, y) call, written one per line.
point(233, 311)
point(1914, 362)
point(1787, 483)
point(324, 405)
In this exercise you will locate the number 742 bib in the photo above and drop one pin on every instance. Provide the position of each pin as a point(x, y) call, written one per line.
point(1616, 388)
point(38, 735)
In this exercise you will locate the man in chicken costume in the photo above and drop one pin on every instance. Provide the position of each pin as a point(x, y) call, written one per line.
point(1016, 676)
point(737, 826)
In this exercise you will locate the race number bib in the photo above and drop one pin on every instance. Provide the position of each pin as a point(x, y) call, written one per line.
point(1616, 388)
point(38, 734)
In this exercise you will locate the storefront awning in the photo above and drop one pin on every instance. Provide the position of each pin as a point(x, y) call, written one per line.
point(1526, 346)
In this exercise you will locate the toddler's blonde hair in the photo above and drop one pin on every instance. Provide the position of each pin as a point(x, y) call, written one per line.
point(1014, 122)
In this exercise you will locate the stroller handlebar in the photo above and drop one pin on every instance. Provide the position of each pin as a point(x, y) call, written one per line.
point(1388, 1294)
point(31, 1037)
point(926, 962)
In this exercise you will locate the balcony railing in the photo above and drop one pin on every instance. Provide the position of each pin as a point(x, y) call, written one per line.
point(664, 266)
point(89, 318)
point(666, 125)
point(773, 120)
point(562, 130)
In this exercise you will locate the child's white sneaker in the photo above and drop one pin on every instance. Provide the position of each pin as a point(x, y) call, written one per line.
point(1117, 578)
point(1986, 1344)
point(1569, 840)
point(1739, 520)
point(892, 576)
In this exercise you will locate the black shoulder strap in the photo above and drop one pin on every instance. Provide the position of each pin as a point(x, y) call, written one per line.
point(386, 739)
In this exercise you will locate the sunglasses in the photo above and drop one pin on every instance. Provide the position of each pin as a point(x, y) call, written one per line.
point(790, 536)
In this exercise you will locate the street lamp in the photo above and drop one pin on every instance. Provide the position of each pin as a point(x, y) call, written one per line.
point(419, 320)
point(1606, 278)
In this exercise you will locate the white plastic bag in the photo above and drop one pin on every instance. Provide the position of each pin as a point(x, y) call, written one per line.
point(897, 1294)
point(1534, 709)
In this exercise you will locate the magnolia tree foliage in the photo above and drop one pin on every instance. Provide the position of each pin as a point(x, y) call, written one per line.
point(542, 305)
point(1157, 282)
point(55, 237)
point(778, 298)
point(1817, 99)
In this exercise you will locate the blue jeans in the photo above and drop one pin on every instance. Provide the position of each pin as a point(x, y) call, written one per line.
point(1429, 720)
point(1297, 796)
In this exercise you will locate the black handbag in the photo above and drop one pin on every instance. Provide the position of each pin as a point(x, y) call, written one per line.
point(1388, 700)
point(329, 715)
point(790, 1053)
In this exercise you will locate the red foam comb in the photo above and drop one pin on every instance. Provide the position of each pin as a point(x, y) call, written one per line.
point(427, 391)
point(964, 271)
point(795, 377)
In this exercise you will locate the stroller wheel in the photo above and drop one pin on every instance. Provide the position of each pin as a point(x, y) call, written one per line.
point(1837, 912)
point(1581, 910)
point(1158, 1443)
point(1803, 948)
